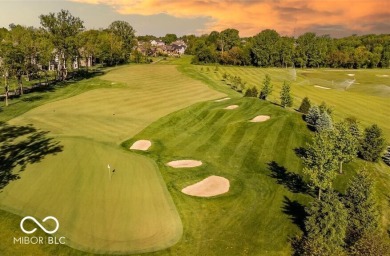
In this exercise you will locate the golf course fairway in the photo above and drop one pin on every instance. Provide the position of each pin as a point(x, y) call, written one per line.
point(124, 209)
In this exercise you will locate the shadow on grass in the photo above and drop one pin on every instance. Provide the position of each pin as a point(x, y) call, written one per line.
point(32, 98)
point(290, 180)
point(301, 152)
point(20, 146)
point(296, 211)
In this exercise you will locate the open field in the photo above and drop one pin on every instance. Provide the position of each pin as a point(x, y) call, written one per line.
point(367, 98)
point(142, 208)
point(131, 213)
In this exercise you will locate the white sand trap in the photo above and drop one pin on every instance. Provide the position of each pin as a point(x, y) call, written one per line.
point(351, 74)
point(382, 75)
point(259, 119)
point(141, 145)
point(184, 163)
point(231, 107)
point(321, 87)
point(222, 99)
point(211, 186)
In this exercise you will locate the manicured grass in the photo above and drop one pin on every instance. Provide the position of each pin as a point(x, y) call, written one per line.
point(133, 212)
point(368, 101)
point(264, 207)
point(177, 112)
point(127, 211)
point(113, 115)
point(254, 217)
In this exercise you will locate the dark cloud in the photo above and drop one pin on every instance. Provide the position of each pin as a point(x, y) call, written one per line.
point(336, 30)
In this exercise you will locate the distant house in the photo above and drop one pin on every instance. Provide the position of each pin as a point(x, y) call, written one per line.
point(158, 42)
point(77, 63)
point(178, 49)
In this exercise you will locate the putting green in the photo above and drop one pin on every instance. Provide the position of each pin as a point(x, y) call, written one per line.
point(129, 210)
point(133, 212)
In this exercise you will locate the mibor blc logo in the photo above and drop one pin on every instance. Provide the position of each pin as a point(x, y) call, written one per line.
point(39, 239)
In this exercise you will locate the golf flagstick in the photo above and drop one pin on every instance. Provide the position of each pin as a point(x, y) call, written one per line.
point(109, 171)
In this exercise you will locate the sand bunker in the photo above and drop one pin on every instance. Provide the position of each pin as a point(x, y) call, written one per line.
point(382, 75)
point(211, 186)
point(184, 163)
point(231, 107)
point(321, 87)
point(141, 145)
point(351, 74)
point(222, 99)
point(258, 119)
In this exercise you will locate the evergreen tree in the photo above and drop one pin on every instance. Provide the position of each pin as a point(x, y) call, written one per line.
point(346, 145)
point(372, 144)
point(361, 204)
point(255, 92)
point(285, 96)
point(325, 108)
point(313, 115)
point(325, 226)
point(305, 106)
point(354, 127)
point(251, 92)
point(319, 161)
point(324, 122)
point(266, 90)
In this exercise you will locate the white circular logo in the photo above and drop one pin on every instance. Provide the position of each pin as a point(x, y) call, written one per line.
point(42, 227)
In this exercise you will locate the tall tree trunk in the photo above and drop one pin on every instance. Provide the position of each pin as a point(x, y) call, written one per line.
point(6, 90)
point(319, 194)
point(20, 83)
point(341, 167)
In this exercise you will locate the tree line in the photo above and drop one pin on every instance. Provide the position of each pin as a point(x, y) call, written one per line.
point(61, 41)
point(269, 49)
point(335, 223)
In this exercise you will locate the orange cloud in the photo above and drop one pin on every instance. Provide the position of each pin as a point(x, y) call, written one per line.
point(285, 16)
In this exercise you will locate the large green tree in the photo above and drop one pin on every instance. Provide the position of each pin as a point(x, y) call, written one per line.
point(320, 165)
point(362, 206)
point(325, 226)
point(125, 32)
point(228, 38)
point(372, 144)
point(266, 49)
point(63, 28)
point(346, 144)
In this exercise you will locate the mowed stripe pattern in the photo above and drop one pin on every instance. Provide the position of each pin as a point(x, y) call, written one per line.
point(113, 115)
point(368, 100)
point(133, 212)
point(257, 158)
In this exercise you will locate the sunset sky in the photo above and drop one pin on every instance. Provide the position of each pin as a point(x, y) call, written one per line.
point(158, 17)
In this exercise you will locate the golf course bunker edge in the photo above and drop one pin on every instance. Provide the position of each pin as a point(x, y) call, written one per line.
point(208, 187)
point(260, 118)
point(141, 145)
point(185, 163)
